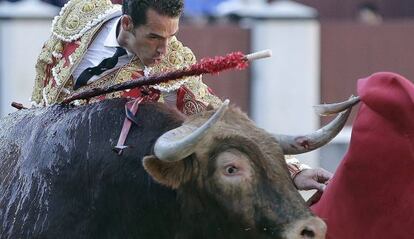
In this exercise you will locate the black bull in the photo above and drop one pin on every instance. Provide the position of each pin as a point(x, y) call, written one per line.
point(60, 178)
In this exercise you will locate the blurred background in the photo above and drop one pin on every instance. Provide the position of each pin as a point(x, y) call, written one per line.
point(320, 49)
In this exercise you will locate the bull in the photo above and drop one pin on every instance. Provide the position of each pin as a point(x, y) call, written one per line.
point(213, 175)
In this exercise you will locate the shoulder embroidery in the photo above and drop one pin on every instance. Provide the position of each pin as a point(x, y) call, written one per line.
point(79, 16)
point(45, 58)
point(178, 57)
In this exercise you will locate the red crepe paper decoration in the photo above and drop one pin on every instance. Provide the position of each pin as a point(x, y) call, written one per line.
point(215, 65)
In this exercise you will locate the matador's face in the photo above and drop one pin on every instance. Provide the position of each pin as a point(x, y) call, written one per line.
point(150, 41)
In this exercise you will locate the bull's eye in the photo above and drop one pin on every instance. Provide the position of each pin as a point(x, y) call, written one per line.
point(233, 166)
point(230, 170)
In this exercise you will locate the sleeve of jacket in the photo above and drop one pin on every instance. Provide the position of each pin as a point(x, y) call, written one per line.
point(44, 60)
point(194, 96)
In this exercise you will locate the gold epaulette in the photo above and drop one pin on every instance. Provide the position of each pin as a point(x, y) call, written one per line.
point(79, 16)
point(178, 56)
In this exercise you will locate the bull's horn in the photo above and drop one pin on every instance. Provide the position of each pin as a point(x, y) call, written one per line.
point(330, 109)
point(306, 143)
point(181, 142)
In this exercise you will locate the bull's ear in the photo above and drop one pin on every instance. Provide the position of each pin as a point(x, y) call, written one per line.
point(171, 174)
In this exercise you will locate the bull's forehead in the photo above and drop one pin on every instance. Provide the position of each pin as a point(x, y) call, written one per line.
point(236, 130)
point(261, 150)
point(233, 115)
point(233, 122)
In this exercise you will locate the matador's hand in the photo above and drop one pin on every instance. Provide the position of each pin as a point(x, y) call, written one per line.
point(312, 179)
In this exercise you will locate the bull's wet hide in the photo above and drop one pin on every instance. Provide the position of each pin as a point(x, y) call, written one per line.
point(371, 194)
point(60, 179)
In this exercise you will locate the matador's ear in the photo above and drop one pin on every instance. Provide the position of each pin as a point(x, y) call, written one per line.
point(126, 23)
point(210, 107)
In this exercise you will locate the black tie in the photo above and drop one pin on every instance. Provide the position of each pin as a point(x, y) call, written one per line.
point(105, 65)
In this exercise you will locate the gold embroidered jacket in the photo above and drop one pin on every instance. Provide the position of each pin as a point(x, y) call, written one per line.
point(74, 29)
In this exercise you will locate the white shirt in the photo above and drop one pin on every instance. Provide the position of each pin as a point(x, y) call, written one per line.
point(103, 46)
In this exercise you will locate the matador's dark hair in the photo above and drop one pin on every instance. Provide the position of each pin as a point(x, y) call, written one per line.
point(137, 9)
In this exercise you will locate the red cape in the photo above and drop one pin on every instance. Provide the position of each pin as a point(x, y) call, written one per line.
point(372, 192)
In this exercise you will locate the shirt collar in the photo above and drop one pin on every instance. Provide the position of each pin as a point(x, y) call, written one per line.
point(111, 40)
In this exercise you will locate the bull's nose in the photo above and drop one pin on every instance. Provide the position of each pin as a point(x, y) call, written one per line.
point(310, 228)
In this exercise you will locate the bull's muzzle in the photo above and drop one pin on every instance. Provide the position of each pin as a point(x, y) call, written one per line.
point(310, 228)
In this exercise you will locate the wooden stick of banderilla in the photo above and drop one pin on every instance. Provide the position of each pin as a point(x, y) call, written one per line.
point(18, 106)
point(206, 66)
point(259, 55)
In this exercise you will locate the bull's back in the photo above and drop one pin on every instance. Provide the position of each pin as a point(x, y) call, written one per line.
point(23, 188)
point(60, 178)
